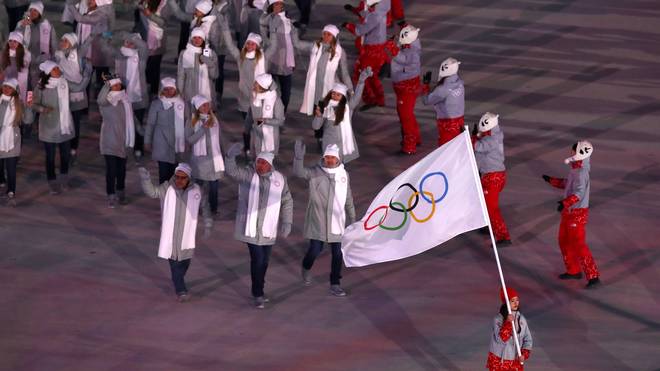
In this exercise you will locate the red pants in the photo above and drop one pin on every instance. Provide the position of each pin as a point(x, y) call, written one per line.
point(493, 183)
point(448, 129)
point(495, 363)
point(397, 9)
point(373, 56)
point(573, 245)
point(406, 95)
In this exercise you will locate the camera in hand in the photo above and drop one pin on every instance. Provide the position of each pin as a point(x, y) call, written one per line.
point(321, 105)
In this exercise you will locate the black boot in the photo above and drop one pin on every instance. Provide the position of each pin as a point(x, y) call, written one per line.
point(593, 283)
point(568, 276)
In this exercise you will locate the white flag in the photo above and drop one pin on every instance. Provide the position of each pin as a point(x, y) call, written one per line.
point(433, 201)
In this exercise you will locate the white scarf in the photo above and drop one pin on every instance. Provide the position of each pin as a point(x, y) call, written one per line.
point(44, 36)
point(199, 148)
point(155, 33)
point(328, 79)
point(345, 127)
point(7, 129)
point(70, 65)
point(266, 101)
point(290, 58)
point(179, 138)
point(114, 97)
point(84, 30)
point(271, 218)
point(134, 87)
point(190, 60)
point(260, 66)
point(338, 222)
point(62, 88)
point(189, 224)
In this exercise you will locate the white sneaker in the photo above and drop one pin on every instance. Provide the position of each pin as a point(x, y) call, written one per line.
point(306, 276)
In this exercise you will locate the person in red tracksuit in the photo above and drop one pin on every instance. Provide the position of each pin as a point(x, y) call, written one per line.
point(405, 70)
point(372, 54)
point(574, 210)
point(448, 99)
point(488, 142)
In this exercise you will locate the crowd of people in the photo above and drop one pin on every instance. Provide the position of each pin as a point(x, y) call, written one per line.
point(50, 81)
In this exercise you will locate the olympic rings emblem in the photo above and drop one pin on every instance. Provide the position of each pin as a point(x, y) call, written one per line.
point(413, 201)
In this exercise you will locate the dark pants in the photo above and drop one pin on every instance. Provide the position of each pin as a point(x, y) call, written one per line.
point(213, 195)
point(285, 88)
point(139, 139)
point(65, 153)
point(184, 34)
point(153, 73)
point(259, 257)
point(165, 171)
point(77, 116)
point(10, 165)
point(220, 81)
point(179, 269)
point(115, 174)
point(305, 7)
point(15, 15)
point(315, 248)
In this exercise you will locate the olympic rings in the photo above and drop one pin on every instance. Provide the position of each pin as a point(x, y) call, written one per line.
point(412, 214)
point(421, 186)
point(400, 207)
point(410, 208)
point(405, 219)
point(381, 219)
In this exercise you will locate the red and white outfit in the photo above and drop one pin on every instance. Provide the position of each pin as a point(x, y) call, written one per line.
point(574, 209)
point(405, 71)
point(489, 153)
point(373, 30)
point(448, 100)
point(503, 354)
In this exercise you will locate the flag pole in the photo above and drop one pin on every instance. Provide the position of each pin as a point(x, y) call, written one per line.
point(484, 210)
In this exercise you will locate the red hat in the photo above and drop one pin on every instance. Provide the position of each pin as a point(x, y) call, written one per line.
point(511, 292)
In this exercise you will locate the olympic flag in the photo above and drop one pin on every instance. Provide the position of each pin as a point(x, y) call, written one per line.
point(431, 202)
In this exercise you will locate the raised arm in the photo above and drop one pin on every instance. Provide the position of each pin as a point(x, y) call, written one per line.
point(438, 94)
point(264, 29)
point(192, 135)
point(212, 64)
point(286, 210)
point(357, 95)
point(151, 121)
point(317, 122)
point(148, 187)
point(344, 75)
point(299, 168)
point(230, 44)
point(240, 174)
point(177, 12)
point(300, 45)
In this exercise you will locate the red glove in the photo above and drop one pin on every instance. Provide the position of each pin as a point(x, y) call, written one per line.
point(349, 26)
point(570, 201)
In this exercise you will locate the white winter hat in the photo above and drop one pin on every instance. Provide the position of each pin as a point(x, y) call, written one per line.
point(71, 37)
point(16, 36)
point(267, 156)
point(114, 81)
point(197, 32)
point(204, 6)
point(12, 82)
point(168, 82)
point(331, 150)
point(38, 6)
point(340, 88)
point(271, 2)
point(372, 2)
point(583, 150)
point(488, 122)
point(332, 29)
point(408, 35)
point(184, 168)
point(259, 4)
point(448, 67)
point(264, 80)
point(198, 100)
point(255, 38)
point(47, 66)
point(103, 2)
